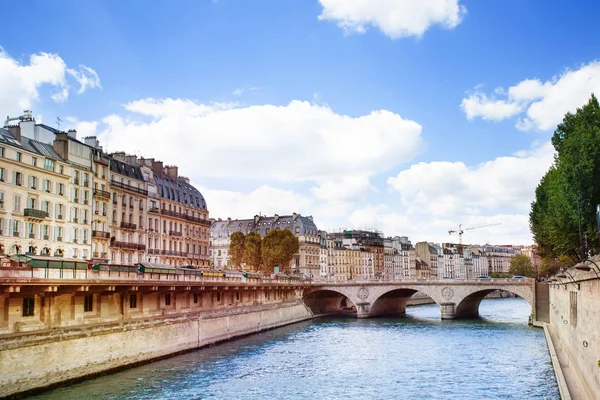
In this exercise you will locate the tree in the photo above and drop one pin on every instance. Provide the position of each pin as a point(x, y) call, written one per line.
point(569, 192)
point(252, 253)
point(236, 249)
point(520, 264)
point(278, 249)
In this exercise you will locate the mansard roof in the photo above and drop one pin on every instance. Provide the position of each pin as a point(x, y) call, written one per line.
point(296, 223)
point(28, 144)
point(181, 191)
point(125, 169)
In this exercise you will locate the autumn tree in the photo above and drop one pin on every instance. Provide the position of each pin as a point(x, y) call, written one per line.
point(567, 195)
point(521, 265)
point(278, 249)
point(236, 249)
point(252, 252)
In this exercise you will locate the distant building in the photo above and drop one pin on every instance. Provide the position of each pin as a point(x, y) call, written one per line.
point(306, 262)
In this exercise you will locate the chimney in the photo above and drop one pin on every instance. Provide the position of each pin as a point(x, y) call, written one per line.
point(61, 145)
point(172, 172)
point(294, 216)
point(256, 218)
point(275, 218)
point(310, 217)
point(72, 133)
point(157, 168)
point(15, 130)
point(27, 125)
point(185, 179)
point(129, 159)
point(228, 220)
point(92, 141)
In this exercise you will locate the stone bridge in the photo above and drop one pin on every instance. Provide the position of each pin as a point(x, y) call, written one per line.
point(455, 298)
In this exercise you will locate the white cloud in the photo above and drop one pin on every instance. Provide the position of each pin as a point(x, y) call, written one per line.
point(513, 228)
point(21, 83)
point(346, 188)
point(240, 91)
point(86, 77)
point(296, 142)
point(540, 105)
point(395, 18)
point(266, 200)
point(446, 189)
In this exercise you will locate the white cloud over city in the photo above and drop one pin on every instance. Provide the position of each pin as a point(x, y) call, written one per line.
point(395, 18)
point(537, 104)
point(21, 81)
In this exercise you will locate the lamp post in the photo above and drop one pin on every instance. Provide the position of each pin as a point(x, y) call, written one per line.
point(588, 268)
point(572, 282)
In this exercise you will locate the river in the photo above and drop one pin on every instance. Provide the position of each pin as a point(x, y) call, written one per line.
point(418, 357)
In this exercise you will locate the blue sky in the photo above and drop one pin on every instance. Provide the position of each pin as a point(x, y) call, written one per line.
point(475, 157)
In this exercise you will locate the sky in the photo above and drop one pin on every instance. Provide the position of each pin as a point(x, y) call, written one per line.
point(410, 117)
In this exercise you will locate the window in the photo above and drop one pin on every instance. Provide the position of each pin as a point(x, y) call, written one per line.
point(17, 204)
point(28, 306)
point(2, 173)
point(61, 189)
point(59, 234)
point(47, 186)
point(218, 297)
point(168, 299)
point(18, 179)
point(195, 298)
point(88, 303)
point(18, 156)
point(49, 165)
point(133, 301)
point(1, 151)
point(61, 169)
point(32, 182)
point(34, 161)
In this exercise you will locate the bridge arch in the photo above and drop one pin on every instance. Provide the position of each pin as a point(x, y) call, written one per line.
point(394, 300)
point(467, 305)
point(329, 301)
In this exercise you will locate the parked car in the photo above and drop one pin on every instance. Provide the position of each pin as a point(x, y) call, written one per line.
point(518, 277)
point(483, 277)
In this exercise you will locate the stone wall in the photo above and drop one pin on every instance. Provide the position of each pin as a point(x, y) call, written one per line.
point(39, 359)
point(574, 317)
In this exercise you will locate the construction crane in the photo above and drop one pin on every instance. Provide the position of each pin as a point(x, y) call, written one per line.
point(460, 230)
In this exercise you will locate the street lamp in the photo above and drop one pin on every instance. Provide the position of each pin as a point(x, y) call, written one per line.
point(393, 270)
point(583, 267)
point(572, 282)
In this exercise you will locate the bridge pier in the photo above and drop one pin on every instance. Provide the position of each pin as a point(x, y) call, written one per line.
point(448, 310)
point(363, 310)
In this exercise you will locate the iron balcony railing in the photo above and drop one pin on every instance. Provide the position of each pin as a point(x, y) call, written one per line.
point(101, 193)
point(130, 188)
point(33, 213)
point(101, 234)
point(127, 225)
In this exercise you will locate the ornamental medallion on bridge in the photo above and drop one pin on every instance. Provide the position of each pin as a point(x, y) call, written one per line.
point(447, 293)
point(363, 293)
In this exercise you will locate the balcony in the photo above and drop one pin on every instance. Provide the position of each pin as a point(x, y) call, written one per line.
point(76, 181)
point(32, 236)
point(85, 221)
point(129, 188)
point(154, 251)
point(33, 213)
point(75, 240)
point(75, 220)
point(59, 239)
point(60, 216)
point(46, 237)
point(86, 201)
point(101, 234)
point(103, 194)
point(97, 254)
point(86, 183)
point(76, 200)
point(129, 246)
point(154, 209)
point(127, 225)
point(15, 233)
point(175, 233)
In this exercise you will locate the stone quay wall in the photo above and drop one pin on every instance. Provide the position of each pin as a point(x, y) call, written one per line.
point(61, 341)
point(574, 318)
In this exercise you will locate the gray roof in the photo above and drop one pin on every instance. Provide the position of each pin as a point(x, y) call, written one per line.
point(180, 191)
point(28, 144)
point(298, 224)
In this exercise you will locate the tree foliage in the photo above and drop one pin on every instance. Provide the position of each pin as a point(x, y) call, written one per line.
point(520, 264)
point(252, 253)
point(236, 249)
point(278, 249)
point(570, 189)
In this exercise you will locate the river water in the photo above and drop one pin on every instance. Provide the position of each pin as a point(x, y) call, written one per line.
point(418, 357)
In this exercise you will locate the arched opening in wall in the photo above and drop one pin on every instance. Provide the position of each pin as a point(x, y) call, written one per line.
point(329, 302)
point(495, 304)
point(395, 302)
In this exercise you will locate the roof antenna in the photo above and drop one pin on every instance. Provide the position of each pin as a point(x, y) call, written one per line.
point(58, 121)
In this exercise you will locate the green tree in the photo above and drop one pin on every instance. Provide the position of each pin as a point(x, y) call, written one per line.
point(520, 264)
point(570, 190)
point(252, 253)
point(278, 249)
point(236, 249)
